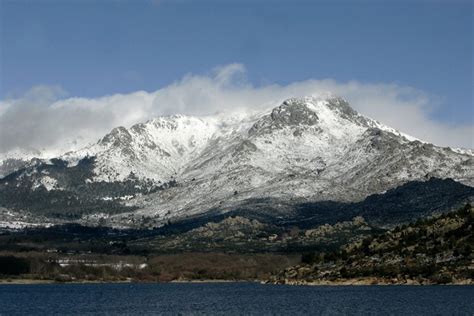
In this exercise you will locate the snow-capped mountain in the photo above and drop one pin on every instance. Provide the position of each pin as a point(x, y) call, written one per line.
point(18, 158)
point(304, 150)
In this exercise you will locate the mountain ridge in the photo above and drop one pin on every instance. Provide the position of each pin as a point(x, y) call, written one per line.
point(306, 150)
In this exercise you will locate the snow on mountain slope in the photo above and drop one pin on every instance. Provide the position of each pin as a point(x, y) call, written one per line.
point(162, 148)
point(155, 150)
point(158, 150)
point(18, 158)
point(306, 149)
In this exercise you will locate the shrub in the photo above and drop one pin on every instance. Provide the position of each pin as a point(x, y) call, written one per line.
point(10, 265)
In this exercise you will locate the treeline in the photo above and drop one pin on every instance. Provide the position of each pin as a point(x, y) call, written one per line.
point(163, 268)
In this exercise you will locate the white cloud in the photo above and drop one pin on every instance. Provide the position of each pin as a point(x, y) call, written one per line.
point(44, 119)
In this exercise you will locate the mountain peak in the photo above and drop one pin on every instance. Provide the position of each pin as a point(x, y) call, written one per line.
point(321, 103)
point(118, 136)
point(294, 112)
point(305, 149)
point(308, 111)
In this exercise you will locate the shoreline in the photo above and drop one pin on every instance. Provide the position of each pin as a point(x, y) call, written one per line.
point(47, 281)
point(347, 282)
point(369, 281)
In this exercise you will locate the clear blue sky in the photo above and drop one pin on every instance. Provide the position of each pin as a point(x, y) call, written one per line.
point(93, 48)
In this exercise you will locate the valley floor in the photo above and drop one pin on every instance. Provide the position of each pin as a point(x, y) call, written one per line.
point(434, 250)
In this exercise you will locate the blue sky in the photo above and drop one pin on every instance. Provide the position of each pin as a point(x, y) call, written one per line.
point(96, 48)
point(93, 48)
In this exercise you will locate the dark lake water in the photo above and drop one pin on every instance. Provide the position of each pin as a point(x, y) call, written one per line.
point(233, 299)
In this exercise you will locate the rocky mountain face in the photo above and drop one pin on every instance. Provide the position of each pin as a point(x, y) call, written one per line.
point(9, 165)
point(306, 150)
point(242, 235)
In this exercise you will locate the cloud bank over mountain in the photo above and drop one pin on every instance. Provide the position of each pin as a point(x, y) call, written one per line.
point(45, 119)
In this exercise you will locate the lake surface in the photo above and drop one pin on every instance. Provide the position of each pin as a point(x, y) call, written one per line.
point(233, 299)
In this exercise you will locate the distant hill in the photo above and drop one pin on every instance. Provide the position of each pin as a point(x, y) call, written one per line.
point(429, 251)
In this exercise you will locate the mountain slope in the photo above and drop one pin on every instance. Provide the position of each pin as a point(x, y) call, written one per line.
point(430, 251)
point(305, 150)
point(316, 150)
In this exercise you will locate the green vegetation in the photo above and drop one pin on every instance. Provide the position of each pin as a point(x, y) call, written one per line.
point(435, 250)
point(10, 265)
